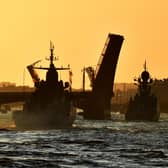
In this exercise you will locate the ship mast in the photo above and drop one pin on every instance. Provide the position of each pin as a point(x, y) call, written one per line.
point(52, 54)
point(51, 59)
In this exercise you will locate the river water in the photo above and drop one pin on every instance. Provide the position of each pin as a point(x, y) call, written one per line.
point(89, 144)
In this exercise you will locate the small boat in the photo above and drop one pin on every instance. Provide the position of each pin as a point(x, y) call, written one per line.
point(144, 105)
point(50, 105)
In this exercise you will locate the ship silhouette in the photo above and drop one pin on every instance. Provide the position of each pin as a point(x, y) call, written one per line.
point(49, 106)
point(144, 105)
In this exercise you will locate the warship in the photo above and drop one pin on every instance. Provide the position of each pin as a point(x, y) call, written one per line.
point(49, 106)
point(144, 105)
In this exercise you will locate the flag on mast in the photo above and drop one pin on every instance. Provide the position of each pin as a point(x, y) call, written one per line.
point(145, 66)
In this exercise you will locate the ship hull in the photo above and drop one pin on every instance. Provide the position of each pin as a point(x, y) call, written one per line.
point(54, 117)
point(143, 108)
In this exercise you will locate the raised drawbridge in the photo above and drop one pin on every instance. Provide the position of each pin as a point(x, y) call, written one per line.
point(99, 102)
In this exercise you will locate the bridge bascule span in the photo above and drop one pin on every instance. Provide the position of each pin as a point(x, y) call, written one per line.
point(99, 101)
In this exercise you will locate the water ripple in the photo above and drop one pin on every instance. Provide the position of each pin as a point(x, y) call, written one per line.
point(90, 144)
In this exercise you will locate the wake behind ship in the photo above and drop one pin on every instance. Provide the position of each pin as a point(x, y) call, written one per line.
point(49, 106)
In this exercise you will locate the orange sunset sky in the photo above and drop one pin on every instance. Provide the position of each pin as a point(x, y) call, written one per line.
point(78, 29)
